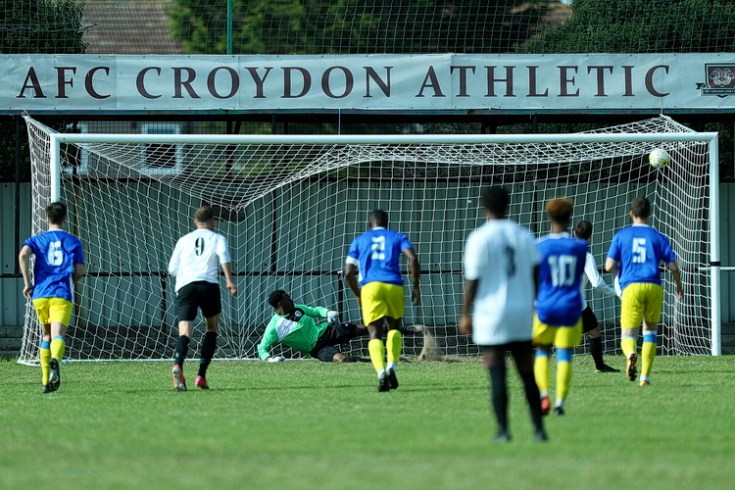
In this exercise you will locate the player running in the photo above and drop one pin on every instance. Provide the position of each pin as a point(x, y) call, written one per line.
point(376, 255)
point(59, 260)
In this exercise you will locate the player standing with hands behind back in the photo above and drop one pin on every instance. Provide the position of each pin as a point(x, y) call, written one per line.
point(59, 258)
point(195, 262)
point(376, 254)
point(635, 254)
point(500, 263)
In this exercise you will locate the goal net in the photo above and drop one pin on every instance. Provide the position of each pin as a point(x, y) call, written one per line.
point(291, 205)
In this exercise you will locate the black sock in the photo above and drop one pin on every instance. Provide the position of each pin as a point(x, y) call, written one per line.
point(596, 350)
point(499, 393)
point(209, 345)
point(182, 346)
point(533, 396)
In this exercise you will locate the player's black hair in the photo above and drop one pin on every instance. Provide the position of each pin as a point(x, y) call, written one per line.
point(56, 213)
point(641, 207)
point(378, 217)
point(204, 214)
point(277, 296)
point(496, 199)
point(583, 230)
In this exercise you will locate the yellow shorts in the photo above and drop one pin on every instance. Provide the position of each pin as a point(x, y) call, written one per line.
point(562, 336)
point(53, 310)
point(641, 301)
point(380, 299)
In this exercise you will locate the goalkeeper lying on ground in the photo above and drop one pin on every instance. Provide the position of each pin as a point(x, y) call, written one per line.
point(315, 331)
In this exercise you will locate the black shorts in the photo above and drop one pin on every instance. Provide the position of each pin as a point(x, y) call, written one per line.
point(589, 320)
point(195, 295)
point(327, 345)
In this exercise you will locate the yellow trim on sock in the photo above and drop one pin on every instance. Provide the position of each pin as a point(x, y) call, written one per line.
point(394, 345)
point(648, 353)
point(628, 346)
point(377, 354)
point(45, 356)
point(57, 349)
point(563, 379)
point(541, 373)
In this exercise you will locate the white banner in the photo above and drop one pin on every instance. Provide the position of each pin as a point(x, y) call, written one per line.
point(394, 83)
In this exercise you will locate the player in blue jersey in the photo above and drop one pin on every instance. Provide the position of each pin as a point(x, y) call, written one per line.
point(59, 260)
point(376, 255)
point(558, 319)
point(635, 255)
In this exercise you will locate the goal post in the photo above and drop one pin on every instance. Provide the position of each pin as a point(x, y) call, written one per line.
point(291, 204)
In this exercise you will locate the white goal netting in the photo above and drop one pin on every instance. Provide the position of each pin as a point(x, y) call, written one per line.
point(291, 209)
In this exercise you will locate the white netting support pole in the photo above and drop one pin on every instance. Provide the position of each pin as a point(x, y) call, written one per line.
point(55, 167)
point(714, 236)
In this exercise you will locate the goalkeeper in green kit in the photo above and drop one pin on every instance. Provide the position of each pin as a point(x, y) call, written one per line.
point(315, 331)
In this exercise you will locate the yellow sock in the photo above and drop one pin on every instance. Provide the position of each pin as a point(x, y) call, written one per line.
point(648, 353)
point(377, 353)
point(541, 370)
point(57, 348)
point(563, 378)
point(45, 356)
point(394, 345)
point(628, 346)
point(563, 372)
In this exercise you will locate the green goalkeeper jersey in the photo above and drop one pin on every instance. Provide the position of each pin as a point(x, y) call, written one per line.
point(300, 330)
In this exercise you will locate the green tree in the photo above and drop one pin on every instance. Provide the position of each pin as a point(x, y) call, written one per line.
point(646, 26)
point(355, 26)
point(34, 26)
point(641, 26)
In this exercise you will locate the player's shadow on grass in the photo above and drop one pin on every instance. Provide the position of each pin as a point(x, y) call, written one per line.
point(368, 388)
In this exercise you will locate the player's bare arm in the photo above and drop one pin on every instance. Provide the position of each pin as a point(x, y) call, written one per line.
point(231, 287)
point(415, 269)
point(23, 257)
point(673, 267)
point(351, 278)
point(79, 272)
point(611, 266)
point(465, 319)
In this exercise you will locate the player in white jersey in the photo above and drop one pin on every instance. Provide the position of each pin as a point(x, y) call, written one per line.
point(500, 265)
point(195, 262)
point(590, 326)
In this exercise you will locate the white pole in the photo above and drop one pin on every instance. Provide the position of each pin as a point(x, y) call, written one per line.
point(55, 168)
point(380, 139)
point(714, 237)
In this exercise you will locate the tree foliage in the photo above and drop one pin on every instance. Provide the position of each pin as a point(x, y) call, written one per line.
point(647, 26)
point(641, 26)
point(27, 27)
point(355, 26)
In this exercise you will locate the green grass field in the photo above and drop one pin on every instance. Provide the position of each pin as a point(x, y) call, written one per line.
point(305, 425)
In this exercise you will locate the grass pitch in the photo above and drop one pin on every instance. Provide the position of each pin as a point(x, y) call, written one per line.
point(305, 424)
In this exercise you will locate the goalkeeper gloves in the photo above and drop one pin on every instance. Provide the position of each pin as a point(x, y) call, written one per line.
point(332, 316)
point(276, 359)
